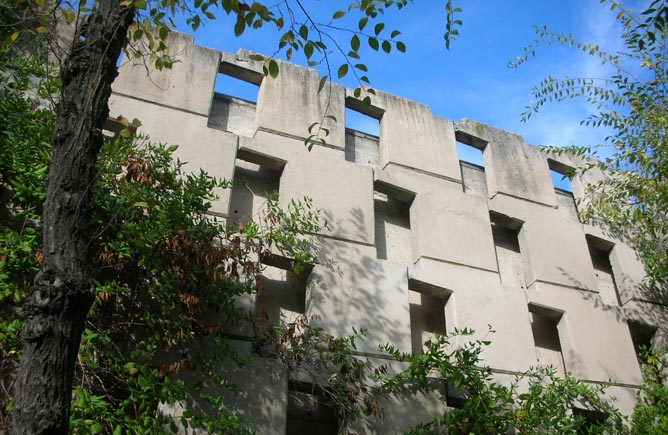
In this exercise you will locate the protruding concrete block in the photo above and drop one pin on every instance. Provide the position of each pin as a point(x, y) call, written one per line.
point(554, 249)
point(512, 167)
point(478, 301)
point(187, 86)
point(290, 103)
point(453, 227)
point(355, 290)
point(595, 340)
point(409, 132)
point(342, 190)
point(200, 147)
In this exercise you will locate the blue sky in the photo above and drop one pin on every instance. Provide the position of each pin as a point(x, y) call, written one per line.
point(472, 79)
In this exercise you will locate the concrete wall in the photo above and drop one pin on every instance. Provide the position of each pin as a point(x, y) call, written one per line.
point(419, 242)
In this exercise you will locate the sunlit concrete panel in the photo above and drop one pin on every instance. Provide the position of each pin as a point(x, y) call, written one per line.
point(403, 410)
point(199, 147)
point(342, 190)
point(595, 340)
point(187, 85)
point(411, 136)
point(512, 167)
point(453, 227)
point(353, 289)
point(478, 300)
point(553, 249)
point(290, 103)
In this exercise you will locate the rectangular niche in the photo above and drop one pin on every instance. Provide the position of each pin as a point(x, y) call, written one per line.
point(599, 251)
point(470, 150)
point(256, 179)
point(427, 311)
point(545, 329)
point(642, 336)
point(235, 99)
point(562, 175)
point(362, 133)
point(392, 224)
point(281, 298)
point(309, 412)
point(509, 259)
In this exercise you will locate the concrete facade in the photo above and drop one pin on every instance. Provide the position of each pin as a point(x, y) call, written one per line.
point(419, 243)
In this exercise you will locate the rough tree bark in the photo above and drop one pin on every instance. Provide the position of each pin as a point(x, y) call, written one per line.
point(63, 292)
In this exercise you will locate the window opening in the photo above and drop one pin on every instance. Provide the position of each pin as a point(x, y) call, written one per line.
point(544, 326)
point(281, 296)
point(362, 132)
point(235, 99)
point(309, 412)
point(506, 232)
point(599, 251)
point(255, 181)
point(588, 421)
point(642, 337)
point(427, 311)
point(470, 149)
point(392, 226)
point(561, 176)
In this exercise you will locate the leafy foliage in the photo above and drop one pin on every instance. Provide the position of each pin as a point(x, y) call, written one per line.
point(631, 203)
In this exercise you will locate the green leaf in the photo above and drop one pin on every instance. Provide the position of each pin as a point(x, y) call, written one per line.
point(273, 68)
point(387, 47)
point(401, 46)
point(96, 428)
point(355, 43)
point(378, 28)
point(323, 81)
point(257, 57)
point(362, 23)
point(373, 43)
point(163, 32)
point(339, 14)
point(303, 32)
point(239, 28)
point(343, 70)
point(308, 50)
point(394, 34)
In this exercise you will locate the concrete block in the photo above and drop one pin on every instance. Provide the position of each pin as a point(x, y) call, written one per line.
point(595, 340)
point(188, 85)
point(401, 411)
point(409, 132)
point(554, 249)
point(355, 290)
point(299, 86)
point(200, 147)
point(478, 301)
point(452, 226)
point(511, 166)
point(342, 190)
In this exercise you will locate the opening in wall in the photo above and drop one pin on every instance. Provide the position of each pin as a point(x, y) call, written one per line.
point(561, 175)
point(392, 224)
point(642, 336)
point(544, 326)
point(505, 231)
point(470, 151)
point(599, 251)
point(256, 180)
point(427, 311)
point(235, 99)
point(362, 132)
point(309, 412)
point(281, 296)
point(588, 421)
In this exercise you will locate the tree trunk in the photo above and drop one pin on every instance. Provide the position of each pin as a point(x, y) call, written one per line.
point(63, 292)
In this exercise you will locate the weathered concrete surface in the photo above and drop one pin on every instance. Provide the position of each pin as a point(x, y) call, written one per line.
point(188, 85)
point(405, 215)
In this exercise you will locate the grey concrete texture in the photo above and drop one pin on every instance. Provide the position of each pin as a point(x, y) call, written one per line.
point(491, 245)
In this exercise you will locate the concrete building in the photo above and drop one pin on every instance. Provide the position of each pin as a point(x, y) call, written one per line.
point(420, 242)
